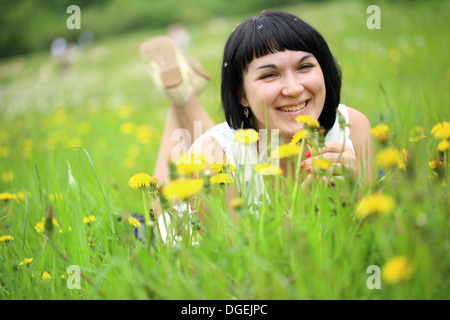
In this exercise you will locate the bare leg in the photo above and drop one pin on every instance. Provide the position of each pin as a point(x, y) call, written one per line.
point(179, 133)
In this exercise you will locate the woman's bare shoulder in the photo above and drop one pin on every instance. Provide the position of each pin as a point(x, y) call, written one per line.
point(358, 121)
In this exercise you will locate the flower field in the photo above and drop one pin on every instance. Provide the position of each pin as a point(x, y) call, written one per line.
point(77, 194)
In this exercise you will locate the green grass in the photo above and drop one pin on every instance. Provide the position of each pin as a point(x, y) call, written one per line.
point(398, 75)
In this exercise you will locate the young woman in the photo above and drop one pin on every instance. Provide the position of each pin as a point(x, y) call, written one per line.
point(275, 68)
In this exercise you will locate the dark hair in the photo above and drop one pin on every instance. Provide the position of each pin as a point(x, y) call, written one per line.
point(270, 32)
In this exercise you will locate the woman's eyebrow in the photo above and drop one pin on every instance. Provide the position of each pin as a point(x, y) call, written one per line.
point(274, 65)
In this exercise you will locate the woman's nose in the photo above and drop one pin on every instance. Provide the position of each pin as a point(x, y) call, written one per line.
point(292, 86)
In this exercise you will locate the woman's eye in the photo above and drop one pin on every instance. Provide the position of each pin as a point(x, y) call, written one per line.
point(268, 75)
point(305, 66)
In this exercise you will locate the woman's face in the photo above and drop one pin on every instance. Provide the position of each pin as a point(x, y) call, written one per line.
point(287, 83)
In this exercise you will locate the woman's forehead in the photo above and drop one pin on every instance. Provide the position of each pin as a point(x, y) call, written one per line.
point(280, 56)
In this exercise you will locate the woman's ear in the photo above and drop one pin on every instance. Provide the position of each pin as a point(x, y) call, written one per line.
point(244, 101)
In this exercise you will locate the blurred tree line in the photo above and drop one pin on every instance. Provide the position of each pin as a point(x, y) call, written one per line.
point(30, 25)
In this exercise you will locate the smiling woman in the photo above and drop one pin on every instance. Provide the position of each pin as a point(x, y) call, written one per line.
point(276, 68)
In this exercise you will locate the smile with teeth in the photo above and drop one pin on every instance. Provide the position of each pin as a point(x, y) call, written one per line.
point(298, 107)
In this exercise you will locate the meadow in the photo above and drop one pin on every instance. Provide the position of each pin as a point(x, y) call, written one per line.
point(71, 140)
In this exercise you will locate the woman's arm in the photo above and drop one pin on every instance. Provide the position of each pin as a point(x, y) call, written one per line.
point(362, 143)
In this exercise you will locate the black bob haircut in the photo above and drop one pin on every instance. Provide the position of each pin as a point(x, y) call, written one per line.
point(270, 32)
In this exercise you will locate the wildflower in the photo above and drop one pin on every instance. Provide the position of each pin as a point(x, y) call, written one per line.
point(443, 145)
point(46, 276)
point(268, 169)
point(323, 164)
point(389, 157)
point(182, 188)
point(89, 219)
point(26, 261)
point(191, 163)
point(134, 222)
point(5, 196)
point(221, 178)
point(375, 203)
point(8, 176)
point(441, 130)
point(435, 164)
point(380, 132)
point(127, 128)
point(142, 181)
point(403, 158)
point(124, 111)
point(236, 203)
point(397, 269)
point(40, 226)
point(246, 136)
point(55, 196)
point(22, 196)
point(286, 151)
point(416, 134)
point(310, 122)
point(4, 152)
point(144, 134)
point(6, 238)
point(217, 167)
point(298, 136)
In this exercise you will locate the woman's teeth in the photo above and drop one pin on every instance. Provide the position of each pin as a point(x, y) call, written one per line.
point(295, 108)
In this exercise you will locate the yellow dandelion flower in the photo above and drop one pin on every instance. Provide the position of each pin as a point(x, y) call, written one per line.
point(246, 136)
point(40, 226)
point(8, 176)
point(124, 111)
point(376, 203)
point(142, 181)
point(389, 157)
point(298, 136)
point(443, 145)
point(310, 122)
point(89, 219)
point(322, 164)
point(127, 128)
point(217, 167)
point(182, 188)
point(26, 261)
point(416, 134)
point(236, 203)
point(6, 237)
point(396, 269)
point(4, 152)
point(46, 276)
point(134, 222)
point(381, 132)
point(22, 196)
point(435, 164)
point(286, 151)
point(268, 169)
point(441, 130)
point(221, 178)
point(191, 163)
point(144, 134)
point(5, 196)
